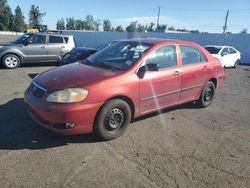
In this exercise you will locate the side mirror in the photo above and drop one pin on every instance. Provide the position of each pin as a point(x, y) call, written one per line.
point(148, 67)
point(27, 42)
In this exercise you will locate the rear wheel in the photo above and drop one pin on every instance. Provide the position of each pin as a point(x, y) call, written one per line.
point(207, 95)
point(113, 119)
point(236, 64)
point(11, 61)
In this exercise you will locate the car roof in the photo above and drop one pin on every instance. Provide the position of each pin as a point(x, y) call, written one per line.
point(52, 34)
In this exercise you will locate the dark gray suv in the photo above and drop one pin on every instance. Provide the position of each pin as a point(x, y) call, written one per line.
point(35, 47)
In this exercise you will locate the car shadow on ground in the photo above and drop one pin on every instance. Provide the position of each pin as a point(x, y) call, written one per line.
point(42, 64)
point(19, 131)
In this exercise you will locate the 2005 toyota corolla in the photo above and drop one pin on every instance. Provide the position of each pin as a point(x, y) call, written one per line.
point(128, 79)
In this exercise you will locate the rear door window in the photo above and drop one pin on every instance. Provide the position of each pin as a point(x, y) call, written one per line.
point(55, 39)
point(191, 55)
point(232, 51)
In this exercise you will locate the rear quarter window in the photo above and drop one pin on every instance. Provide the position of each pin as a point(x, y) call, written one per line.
point(55, 39)
point(191, 55)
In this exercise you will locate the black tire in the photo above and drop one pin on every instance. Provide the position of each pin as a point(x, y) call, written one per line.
point(207, 95)
point(236, 64)
point(11, 61)
point(113, 119)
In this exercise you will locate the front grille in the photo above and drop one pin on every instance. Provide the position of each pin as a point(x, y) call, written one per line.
point(37, 90)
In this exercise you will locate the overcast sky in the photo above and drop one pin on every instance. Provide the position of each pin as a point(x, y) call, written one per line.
point(191, 14)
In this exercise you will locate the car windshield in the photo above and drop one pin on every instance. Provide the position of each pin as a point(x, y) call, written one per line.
point(22, 38)
point(213, 49)
point(118, 56)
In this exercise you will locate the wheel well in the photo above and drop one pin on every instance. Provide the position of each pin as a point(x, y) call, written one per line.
point(214, 80)
point(127, 100)
point(20, 59)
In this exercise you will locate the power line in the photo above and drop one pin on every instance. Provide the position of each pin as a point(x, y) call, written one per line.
point(201, 10)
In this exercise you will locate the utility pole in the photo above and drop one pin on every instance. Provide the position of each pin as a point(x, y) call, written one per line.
point(158, 17)
point(225, 26)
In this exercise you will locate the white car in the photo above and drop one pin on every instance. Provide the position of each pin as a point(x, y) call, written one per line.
point(228, 55)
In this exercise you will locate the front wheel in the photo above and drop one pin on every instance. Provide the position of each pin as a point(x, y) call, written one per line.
point(11, 61)
point(113, 119)
point(207, 95)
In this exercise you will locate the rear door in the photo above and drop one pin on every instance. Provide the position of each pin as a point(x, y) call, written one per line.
point(159, 89)
point(56, 47)
point(35, 51)
point(194, 72)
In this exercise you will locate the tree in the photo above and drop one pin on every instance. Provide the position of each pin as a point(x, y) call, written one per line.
point(107, 25)
point(194, 31)
point(90, 22)
point(161, 28)
point(132, 27)
point(97, 24)
point(119, 28)
point(80, 24)
point(243, 31)
point(6, 16)
point(35, 16)
point(150, 28)
point(60, 24)
point(171, 28)
point(70, 25)
point(19, 23)
point(141, 28)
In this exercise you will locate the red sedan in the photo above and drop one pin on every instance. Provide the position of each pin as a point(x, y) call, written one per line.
point(130, 78)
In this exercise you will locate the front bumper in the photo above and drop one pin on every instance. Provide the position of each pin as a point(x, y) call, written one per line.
point(50, 115)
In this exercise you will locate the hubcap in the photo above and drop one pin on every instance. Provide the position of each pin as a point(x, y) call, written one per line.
point(208, 94)
point(114, 119)
point(11, 61)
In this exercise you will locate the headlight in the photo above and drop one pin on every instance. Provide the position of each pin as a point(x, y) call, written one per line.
point(1, 46)
point(70, 95)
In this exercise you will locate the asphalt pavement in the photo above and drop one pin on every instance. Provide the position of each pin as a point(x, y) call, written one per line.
point(183, 147)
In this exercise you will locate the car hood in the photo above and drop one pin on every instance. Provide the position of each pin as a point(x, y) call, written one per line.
point(4, 44)
point(72, 75)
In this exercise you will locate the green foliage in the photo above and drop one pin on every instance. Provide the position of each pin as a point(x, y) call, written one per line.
point(119, 28)
point(60, 24)
point(161, 28)
point(150, 27)
point(35, 16)
point(171, 28)
point(243, 31)
point(71, 24)
point(19, 23)
point(107, 25)
point(6, 16)
point(132, 27)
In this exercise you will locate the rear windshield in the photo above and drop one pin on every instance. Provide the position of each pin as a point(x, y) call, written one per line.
point(213, 50)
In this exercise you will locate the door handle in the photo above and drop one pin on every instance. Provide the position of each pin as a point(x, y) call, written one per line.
point(177, 73)
point(63, 47)
point(43, 47)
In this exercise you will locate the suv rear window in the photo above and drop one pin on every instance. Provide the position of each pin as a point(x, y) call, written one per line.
point(55, 39)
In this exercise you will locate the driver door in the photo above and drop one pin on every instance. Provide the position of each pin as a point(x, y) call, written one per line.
point(159, 89)
point(35, 50)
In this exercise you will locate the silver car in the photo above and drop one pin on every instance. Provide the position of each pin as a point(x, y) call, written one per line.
point(35, 47)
